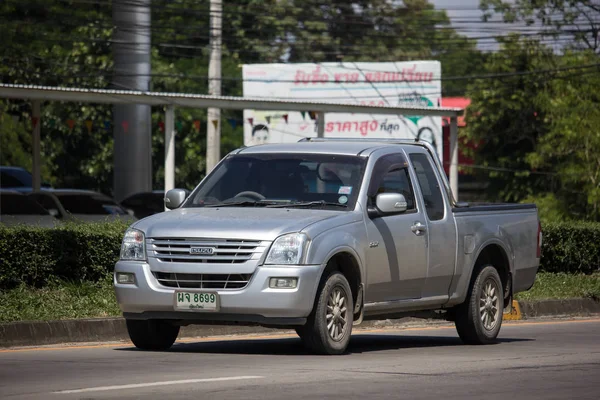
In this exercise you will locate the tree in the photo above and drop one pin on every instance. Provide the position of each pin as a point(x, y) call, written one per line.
point(536, 122)
point(68, 43)
point(579, 19)
point(570, 146)
point(506, 121)
point(380, 30)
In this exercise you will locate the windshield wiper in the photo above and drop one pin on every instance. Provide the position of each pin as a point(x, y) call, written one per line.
point(319, 203)
point(245, 203)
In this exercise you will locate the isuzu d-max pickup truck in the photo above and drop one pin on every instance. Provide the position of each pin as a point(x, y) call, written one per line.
point(318, 236)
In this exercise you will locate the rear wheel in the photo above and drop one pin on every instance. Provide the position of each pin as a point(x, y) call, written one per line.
point(152, 334)
point(479, 318)
point(329, 327)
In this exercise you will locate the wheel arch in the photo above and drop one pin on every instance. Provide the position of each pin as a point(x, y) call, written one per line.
point(346, 261)
point(494, 253)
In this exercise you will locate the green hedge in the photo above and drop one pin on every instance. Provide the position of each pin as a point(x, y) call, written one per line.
point(571, 247)
point(38, 256)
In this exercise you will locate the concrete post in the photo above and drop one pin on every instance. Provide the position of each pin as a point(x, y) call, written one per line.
point(132, 123)
point(213, 131)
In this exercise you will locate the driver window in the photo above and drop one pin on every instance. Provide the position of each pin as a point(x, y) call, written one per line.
point(397, 181)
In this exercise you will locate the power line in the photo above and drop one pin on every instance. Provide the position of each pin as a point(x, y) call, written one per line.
point(356, 68)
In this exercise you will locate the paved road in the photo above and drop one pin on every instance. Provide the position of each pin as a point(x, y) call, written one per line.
point(534, 360)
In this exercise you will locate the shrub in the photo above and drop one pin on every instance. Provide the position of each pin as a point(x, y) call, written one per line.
point(571, 247)
point(37, 256)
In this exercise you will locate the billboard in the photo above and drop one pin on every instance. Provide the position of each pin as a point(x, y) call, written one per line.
point(414, 83)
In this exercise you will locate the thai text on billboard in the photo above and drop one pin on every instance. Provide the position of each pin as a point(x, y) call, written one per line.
point(414, 83)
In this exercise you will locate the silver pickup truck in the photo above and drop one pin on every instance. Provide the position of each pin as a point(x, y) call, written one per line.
point(318, 236)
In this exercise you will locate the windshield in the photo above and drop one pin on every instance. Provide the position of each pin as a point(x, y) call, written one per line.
point(275, 179)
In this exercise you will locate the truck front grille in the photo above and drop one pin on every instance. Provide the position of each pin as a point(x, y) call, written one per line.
point(215, 251)
point(202, 281)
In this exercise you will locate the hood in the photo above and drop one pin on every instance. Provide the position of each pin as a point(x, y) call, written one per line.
point(231, 223)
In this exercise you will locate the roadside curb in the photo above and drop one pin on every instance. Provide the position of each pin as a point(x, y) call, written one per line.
point(38, 333)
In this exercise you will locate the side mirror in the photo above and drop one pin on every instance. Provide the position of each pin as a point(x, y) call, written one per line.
point(174, 198)
point(54, 212)
point(390, 203)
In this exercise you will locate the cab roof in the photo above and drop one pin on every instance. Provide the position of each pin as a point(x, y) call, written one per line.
point(339, 147)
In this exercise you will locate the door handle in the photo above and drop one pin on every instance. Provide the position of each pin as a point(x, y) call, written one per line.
point(418, 228)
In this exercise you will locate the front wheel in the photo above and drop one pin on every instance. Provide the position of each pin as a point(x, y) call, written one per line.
point(152, 334)
point(479, 318)
point(329, 327)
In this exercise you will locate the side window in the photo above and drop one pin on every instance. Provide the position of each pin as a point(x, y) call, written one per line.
point(432, 194)
point(396, 180)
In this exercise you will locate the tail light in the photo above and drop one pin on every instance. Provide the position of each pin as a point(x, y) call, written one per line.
point(539, 240)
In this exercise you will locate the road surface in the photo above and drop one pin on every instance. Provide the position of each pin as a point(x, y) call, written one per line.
point(533, 360)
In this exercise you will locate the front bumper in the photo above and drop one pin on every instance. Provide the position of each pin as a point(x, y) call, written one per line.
point(258, 303)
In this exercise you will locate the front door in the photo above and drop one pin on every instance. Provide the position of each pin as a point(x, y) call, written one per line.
point(397, 254)
point(441, 229)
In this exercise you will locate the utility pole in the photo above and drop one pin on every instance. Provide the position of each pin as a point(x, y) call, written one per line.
point(131, 122)
point(213, 137)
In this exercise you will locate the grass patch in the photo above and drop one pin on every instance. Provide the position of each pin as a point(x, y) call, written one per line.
point(59, 300)
point(558, 285)
point(66, 300)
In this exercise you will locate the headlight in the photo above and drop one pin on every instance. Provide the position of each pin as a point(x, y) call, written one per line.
point(134, 245)
point(287, 249)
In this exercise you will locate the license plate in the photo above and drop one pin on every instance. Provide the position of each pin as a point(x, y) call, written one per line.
point(196, 301)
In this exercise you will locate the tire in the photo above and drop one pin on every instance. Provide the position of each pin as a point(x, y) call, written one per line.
point(333, 302)
point(152, 334)
point(479, 318)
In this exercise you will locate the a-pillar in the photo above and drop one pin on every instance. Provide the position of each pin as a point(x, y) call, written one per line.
point(454, 156)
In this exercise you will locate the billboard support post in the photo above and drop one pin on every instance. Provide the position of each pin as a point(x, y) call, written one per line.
point(320, 124)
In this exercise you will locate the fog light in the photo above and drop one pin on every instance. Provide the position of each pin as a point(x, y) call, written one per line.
point(125, 278)
point(283, 283)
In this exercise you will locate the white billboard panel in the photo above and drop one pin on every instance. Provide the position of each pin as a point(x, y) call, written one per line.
point(416, 83)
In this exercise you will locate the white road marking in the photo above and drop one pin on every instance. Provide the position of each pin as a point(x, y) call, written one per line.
point(144, 385)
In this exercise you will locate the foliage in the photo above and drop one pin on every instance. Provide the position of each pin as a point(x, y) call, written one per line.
point(579, 19)
point(550, 208)
point(570, 146)
point(15, 143)
point(69, 300)
point(60, 300)
point(379, 30)
point(504, 118)
point(38, 256)
point(571, 247)
point(538, 129)
point(560, 285)
point(77, 51)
